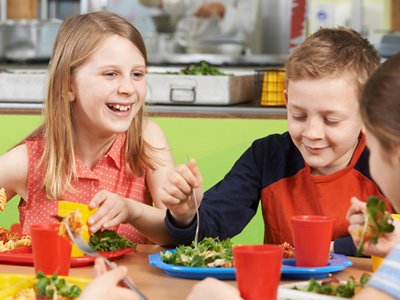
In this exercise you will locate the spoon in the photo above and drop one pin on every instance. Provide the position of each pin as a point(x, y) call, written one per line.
point(196, 235)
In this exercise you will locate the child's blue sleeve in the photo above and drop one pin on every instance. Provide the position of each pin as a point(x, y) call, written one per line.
point(387, 277)
point(345, 246)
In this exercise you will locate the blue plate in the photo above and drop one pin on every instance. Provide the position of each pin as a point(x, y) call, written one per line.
point(289, 270)
point(191, 272)
point(337, 263)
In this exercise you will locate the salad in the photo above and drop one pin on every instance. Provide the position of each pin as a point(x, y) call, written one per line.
point(210, 253)
point(49, 288)
point(377, 221)
point(333, 287)
point(202, 68)
point(108, 240)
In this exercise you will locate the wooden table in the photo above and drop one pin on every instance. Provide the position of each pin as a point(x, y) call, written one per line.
point(155, 284)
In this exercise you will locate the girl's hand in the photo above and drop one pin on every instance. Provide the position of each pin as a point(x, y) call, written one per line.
point(112, 210)
point(178, 192)
point(386, 241)
point(105, 286)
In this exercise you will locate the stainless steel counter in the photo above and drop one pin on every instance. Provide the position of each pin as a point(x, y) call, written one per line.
point(259, 60)
point(246, 111)
point(22, 87)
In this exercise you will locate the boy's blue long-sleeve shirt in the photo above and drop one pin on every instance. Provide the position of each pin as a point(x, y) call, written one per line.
point(273, 170)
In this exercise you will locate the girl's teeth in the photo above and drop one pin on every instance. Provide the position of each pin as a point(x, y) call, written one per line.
point(119, 107)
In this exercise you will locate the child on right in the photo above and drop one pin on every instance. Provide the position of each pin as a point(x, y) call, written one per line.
point(380, 112)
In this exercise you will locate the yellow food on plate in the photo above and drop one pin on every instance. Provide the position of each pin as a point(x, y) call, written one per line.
point(75, 223)
point(24, 294)
point(3, 199)
point(12, 240)
point(288, 250)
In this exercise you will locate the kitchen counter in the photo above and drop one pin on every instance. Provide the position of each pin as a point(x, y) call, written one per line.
point(26, 83)
point(246, 111)
point(259, 60)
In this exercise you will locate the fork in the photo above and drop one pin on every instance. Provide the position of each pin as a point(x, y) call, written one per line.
point(78, 240)
point(362, 239)
point(196, 235)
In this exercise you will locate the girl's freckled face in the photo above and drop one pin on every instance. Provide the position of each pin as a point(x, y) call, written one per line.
point(109, 88)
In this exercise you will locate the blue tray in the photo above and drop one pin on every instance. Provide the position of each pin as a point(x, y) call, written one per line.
point(337, 263)
point(289, 270)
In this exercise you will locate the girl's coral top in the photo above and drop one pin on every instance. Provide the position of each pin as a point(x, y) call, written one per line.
point(109, 174)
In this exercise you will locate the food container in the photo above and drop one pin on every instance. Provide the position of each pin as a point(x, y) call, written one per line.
point(165, 23)
point(269, 87)
point(24, 39)
point(23, 85)
point(199, 89)
point(10, 284)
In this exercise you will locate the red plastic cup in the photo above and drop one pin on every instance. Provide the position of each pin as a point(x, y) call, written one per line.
point(258, 270)
point(312, 237)
point(51, 252)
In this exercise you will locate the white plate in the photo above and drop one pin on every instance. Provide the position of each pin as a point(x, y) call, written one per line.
point(286, 292)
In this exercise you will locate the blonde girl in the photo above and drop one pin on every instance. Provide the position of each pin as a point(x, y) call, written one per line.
point(95, 145)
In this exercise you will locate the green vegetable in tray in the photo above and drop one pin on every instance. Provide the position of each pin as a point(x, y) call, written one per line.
point(333, 287)
point(211, 253)
point(202, 68)
point(108, 240)
point(50, 286)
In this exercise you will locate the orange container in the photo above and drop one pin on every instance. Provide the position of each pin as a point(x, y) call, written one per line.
point(312, 237)
point(258, 270)
point(51, 252)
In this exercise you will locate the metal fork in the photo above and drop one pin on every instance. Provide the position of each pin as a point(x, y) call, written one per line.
point(196, 235)
point(78, 240)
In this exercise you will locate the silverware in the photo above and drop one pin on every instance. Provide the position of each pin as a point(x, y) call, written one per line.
point(78, 240)
point(196, 235)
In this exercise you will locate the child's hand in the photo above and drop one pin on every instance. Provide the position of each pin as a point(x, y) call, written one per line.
point(386, 242)
point(105, 286)
point(211, 288)
point(112, 210)
point(178, 196)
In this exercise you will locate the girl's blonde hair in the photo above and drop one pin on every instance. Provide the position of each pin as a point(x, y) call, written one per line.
point(333, 52)
point(78, 38)
point(380, 104)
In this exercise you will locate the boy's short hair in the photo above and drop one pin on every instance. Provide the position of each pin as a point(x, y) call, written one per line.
point(333, 52)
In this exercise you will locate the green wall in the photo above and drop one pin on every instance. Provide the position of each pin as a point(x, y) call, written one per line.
point(215, 143)
point(13, 128)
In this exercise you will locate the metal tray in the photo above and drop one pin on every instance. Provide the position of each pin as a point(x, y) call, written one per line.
point(23, 85)
point(199, 89)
